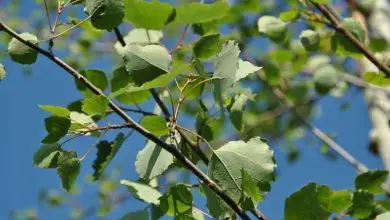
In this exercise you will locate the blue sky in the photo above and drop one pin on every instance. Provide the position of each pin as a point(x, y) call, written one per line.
point(22, 128)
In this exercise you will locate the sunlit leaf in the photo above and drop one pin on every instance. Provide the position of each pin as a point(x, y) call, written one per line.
point(143, 192)
point(254, 156)
point(55, 110)
point(47, 156)
point(149, 15)
point(196, 12)
point(152, 161)
point(95, 105)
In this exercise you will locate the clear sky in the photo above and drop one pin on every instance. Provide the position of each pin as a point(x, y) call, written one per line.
point(22, 128)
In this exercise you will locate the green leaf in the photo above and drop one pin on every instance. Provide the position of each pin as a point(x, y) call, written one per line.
point(177, 200)
point(96, 77)
point(123, 79)
point(254, 156)
point(155, 124)
point(105, 14)
point(47, 156)
point(226, 65)
point(139, 215)
point(143, 192)
point(57, 127)
point(196, 12)
point(21, 53)
point(325, 78)
point(383, 216)
point(371, 181)
point(160, 81)
point(2, 72)
point(244, 69)
point(342, 45)
point(334, 201)
point(272, 27)
point(152, 161)
point(321, 1)
point(81, 122)
point(310, 40)
point(290, 15)
point(252, 194)
point(149, 15)
point(141, 37)
point(216, 206)
point(236, 111)
point(105, 152)
point(363, 204)
point(146, 63)
point(207, 127)
point(207, 46)
point(68, 169)
point(55, 110)
point(304, 205)
point(379, 79)
point(95, 105)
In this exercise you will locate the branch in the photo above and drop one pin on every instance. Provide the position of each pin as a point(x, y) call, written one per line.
point(360, 167)
point(168, 147)
point(330, 15)
point(166, 112)
point(108, 127)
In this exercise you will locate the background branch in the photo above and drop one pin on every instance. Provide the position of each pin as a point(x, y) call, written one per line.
point(168, 147)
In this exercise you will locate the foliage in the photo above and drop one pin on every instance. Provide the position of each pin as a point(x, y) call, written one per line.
point(216, 90)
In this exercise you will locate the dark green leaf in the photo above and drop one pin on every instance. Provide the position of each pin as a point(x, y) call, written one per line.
point(57, 127)
point(123, 79)
point(22, 53)
point(148, 15)
point(105, 14)
point(95, 105)
point(138, 215)
point(371, 181)
point(363, 204)
point(68, 168)
point(304, 205)
point(160, 81)
point(96, 77)
point(216, 206)
point(342, 45)
point(47, 156)
point(207, 46)
point(177, 200)
point(195, 12)
point(105, 152)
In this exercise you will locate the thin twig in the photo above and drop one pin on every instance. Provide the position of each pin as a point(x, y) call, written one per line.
point(119, 37)
point(47, 14)
point(359, 166)
point(329, 14)
point(168, 147)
